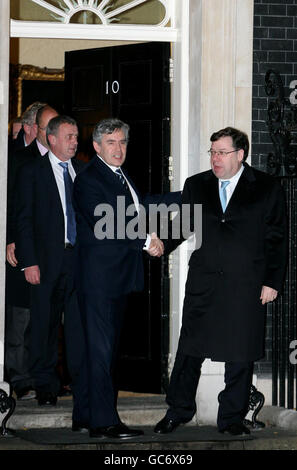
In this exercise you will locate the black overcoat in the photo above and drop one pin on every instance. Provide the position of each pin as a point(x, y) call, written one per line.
point(17, 288)
point(242, 250)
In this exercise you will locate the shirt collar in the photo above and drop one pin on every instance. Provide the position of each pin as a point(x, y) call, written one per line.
point(55, 160)
point(113, 168)
point(42, 149)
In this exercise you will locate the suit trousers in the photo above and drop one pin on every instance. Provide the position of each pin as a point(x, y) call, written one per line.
point(233, 400)
point(49, 300)
point(96, 395)
point(17, 330)
point(17, 336)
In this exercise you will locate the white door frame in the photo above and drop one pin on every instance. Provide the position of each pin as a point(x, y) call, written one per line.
point(178, 35)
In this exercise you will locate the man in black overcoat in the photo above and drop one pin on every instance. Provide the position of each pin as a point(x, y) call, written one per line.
point(239, 267)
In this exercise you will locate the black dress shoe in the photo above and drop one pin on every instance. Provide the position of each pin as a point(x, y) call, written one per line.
point(96, 432)
point(236, 429)
point(166, 425)
point(46, 398)
point(78, 426)
point(118, 431)
point(25, 393)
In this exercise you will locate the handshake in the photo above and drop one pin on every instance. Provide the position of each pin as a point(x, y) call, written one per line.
point(156, 247)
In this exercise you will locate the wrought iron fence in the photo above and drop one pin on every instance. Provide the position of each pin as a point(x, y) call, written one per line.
point(282, 163)
point(284, 333)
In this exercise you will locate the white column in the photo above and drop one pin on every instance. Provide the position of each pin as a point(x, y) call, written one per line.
point(226, 69)
point(212, 89)
point(180, 149)
point(4, 89)
point(226, 100)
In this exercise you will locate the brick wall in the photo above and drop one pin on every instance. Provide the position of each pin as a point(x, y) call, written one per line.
point(275, 47)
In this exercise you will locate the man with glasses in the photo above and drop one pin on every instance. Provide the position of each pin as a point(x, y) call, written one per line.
point(239, 267)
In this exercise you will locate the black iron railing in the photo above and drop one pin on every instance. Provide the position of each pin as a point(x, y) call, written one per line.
point(284, 332)
point(282, 163)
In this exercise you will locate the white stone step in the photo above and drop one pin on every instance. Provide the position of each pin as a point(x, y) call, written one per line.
point(134, 411)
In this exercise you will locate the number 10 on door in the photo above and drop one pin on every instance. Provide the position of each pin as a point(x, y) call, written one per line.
point(114, 87)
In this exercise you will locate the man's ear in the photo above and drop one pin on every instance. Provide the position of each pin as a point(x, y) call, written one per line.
point(240, 155)
point(27, 128)
point(51, 140)
point(97, 147)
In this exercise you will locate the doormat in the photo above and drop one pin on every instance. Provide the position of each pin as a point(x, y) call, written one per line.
point(65, 436)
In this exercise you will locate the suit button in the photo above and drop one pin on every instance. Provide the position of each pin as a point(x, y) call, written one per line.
point(221, 272)
point(223, 220)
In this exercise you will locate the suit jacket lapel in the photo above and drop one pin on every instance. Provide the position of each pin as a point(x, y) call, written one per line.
point(77, 165)
point(113, 183)
point(132, 184)
point(243, 191)
point(48, 177)
point(110, 176)
point(212, 192)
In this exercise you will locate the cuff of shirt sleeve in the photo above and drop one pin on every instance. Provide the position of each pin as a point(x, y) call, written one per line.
point(147, 242)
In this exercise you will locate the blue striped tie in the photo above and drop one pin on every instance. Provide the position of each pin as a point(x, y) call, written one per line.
point(68, 184)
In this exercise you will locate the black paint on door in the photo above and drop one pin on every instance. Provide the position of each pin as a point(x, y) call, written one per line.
point(131, 83)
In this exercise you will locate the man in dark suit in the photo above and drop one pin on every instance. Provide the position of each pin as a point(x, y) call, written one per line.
point(36, 149)
point(109, 268)
point(15, 136)
point(238, 268)
point(45, 246)
point(28, 130)
point(17, 289)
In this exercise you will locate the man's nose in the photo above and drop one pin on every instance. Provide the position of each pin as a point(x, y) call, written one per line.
point(118, 147)
point(215, 155)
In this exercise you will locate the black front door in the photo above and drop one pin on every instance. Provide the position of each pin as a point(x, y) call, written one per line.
point(131, 83)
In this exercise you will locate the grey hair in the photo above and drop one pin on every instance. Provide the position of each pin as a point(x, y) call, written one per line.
point(108, 126)
point(29, 115)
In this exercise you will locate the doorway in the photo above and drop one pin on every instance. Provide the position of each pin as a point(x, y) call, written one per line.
point(132, 83)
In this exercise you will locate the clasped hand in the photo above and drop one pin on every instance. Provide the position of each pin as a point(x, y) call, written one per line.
point(268, 294)
point(156, 247)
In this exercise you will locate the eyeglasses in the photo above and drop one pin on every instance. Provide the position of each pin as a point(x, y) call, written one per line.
point(220, 153)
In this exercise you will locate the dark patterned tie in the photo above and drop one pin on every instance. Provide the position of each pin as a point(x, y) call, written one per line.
point(68, 184)
point(122, 179)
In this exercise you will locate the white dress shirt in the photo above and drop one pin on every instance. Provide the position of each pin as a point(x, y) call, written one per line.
point(58, 172)
point(232, 185)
